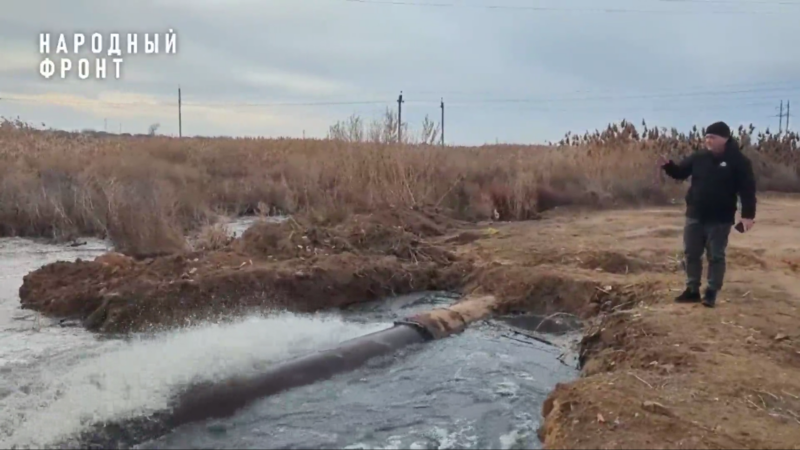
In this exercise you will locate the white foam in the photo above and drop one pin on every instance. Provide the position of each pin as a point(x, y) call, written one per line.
point(56, 382)
point(462, 435)
point(120, 380)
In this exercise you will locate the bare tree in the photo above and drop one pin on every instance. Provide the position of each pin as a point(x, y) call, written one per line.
point(336, 132)
point(151, 130)
point(390, 120)
point(382, 130)
point(430, 131)
point(355, 129)
point(375, 132)
point(350, 130)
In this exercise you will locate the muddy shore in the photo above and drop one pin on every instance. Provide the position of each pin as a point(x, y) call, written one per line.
point(654, 374)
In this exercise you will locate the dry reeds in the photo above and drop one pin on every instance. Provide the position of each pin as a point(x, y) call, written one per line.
point(147, 192)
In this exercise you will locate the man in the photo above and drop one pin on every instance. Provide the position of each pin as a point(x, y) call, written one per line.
point(719, 174)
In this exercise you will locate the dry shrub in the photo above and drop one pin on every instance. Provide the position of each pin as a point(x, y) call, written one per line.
point(212, 237)
point(396, 232)
point(147, 192)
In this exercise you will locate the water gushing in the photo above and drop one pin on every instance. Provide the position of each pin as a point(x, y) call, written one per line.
point(122, 380)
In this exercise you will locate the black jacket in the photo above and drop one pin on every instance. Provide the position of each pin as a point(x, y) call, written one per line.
point(716, 181)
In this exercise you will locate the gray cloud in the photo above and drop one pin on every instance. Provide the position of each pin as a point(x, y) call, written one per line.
point(266, 51)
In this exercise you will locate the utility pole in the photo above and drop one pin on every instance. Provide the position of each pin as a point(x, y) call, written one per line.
point(780, 119)
point(442, 106)
point(400, 118)
point(180, 119)
point(787, 115)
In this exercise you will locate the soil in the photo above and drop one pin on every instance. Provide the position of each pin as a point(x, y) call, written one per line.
point(293, 265)
point(655, 374)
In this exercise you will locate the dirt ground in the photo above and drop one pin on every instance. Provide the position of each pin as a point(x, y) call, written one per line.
point(658, 374)
point(654, 374)
point(295, 265)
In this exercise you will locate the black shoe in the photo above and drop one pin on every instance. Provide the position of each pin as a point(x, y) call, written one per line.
point(688, 296)
point(710, 298)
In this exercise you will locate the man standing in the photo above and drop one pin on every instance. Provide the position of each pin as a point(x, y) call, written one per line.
point(719, 174)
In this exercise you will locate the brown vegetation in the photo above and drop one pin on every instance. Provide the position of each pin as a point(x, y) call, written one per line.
point(375, 219)
point(146, 192)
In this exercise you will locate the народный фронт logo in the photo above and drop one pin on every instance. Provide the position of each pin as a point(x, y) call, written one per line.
point(97, 67)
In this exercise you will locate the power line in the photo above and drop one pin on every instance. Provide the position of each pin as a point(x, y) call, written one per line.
point(781, 115)
point(632, 97)
point(196, 104)
point(470, 92)
point(325, 103)
point(581, 10)
point(625, 112)
point(769, 84)
point(767, 87)
point(582, 95)
point(637, 108)
point(607, 108)
point(734, 2)
point(777, 88)
point(516, 7)
point(475, 101)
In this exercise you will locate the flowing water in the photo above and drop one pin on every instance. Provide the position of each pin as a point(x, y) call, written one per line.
point(483, 388)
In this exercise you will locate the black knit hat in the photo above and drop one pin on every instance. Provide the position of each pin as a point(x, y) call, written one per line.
point(719, 129)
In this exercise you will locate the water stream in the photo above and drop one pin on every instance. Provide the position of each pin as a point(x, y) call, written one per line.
point(481, 389)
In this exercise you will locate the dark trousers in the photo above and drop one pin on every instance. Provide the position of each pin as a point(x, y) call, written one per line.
point(711, 238)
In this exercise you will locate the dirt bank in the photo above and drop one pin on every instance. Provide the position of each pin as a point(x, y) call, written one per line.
point(294, 265)
point(656, 374)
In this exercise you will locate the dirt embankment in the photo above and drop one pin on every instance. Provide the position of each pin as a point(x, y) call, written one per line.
point(657, 374)
point(654, 374)
point(293, 265)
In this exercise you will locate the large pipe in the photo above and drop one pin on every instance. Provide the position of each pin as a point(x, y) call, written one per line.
point(217, 400)
point(224, 399)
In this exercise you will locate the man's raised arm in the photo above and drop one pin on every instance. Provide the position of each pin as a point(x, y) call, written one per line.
point(681, 170)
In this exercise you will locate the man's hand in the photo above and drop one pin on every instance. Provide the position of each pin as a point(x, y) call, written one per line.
point(748, 224)
point(662, 160)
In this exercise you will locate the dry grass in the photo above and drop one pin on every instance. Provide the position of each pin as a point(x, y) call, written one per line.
point(212, 237)
point(146, 193)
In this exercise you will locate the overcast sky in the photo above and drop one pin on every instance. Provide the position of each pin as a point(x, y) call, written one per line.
point(508, 74)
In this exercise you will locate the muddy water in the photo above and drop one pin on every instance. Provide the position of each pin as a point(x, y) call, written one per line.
point(481, 389)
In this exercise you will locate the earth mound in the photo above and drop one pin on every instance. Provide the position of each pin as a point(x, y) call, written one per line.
point(295, 265)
